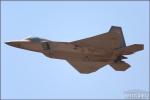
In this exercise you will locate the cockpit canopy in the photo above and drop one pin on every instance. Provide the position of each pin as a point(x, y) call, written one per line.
point(36, 39)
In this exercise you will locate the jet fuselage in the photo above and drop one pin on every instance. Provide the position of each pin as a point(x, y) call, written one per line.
point(66, 50)
point(85, 55)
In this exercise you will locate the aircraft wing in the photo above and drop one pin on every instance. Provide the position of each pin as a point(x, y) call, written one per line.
point(110, 40)
point(87, 67)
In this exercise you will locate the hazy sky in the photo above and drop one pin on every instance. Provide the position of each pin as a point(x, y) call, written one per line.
point(31, 75)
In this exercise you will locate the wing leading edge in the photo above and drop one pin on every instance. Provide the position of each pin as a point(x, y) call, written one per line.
point(110, 40)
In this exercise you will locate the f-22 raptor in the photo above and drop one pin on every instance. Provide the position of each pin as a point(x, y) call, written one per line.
point(85, 55)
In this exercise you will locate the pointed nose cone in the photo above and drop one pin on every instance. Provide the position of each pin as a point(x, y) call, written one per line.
point(14, 44)
point(25, 44)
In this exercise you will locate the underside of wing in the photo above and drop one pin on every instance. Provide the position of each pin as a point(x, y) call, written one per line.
point(86, 67)
point(110, 40)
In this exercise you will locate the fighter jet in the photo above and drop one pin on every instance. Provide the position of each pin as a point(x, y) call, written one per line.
point(85, 55)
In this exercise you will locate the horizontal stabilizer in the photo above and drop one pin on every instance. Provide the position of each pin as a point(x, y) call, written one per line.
point(120, 66)
point(130, 49)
